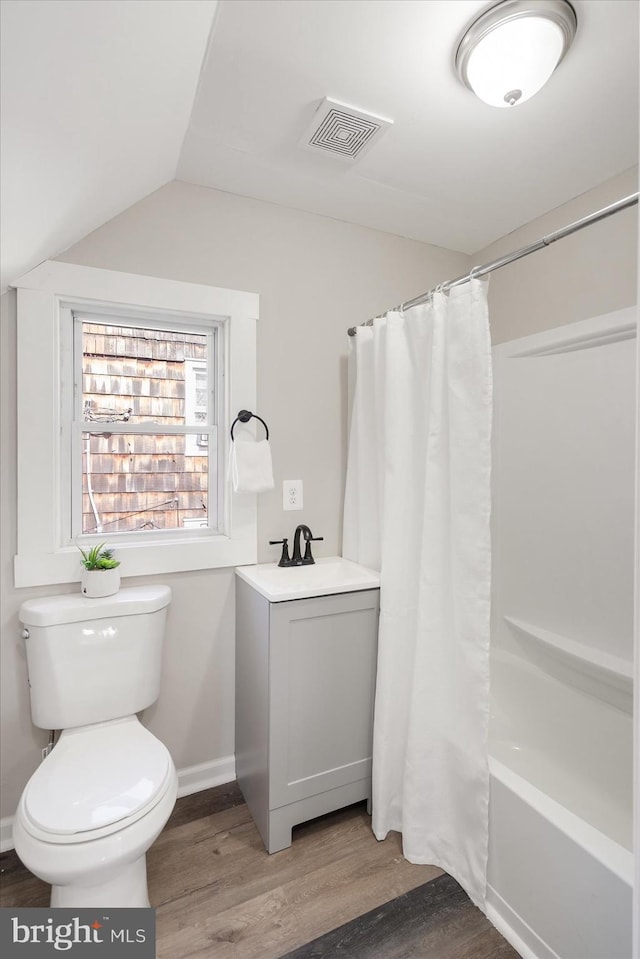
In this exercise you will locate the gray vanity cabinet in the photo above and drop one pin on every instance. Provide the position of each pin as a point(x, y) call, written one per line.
point(305, 677)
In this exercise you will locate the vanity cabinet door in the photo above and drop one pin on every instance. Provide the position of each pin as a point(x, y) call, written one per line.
point(322, 668)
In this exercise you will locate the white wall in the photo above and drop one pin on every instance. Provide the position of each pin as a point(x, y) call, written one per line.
point(586, 274)
point(316, 276)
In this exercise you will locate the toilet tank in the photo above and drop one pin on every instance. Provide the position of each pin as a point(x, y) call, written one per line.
point(91, 660)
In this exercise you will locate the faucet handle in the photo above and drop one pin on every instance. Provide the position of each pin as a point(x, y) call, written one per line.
point(284, 559)
point(308, 558)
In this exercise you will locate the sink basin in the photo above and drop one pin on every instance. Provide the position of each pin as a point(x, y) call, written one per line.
point(325, 577)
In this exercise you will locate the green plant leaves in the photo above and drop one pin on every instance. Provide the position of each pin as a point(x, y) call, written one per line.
point(98, 557)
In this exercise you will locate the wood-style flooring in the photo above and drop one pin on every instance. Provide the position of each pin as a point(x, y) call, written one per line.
point(336, 893)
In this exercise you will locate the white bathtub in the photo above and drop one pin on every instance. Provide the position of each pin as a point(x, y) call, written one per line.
point(560, 862)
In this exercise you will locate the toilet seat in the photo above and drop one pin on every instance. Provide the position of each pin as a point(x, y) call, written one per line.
point(97, 780)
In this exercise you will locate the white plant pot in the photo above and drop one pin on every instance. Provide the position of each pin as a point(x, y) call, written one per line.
point(99, 582)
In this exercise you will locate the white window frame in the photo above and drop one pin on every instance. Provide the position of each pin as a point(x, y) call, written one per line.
point(46, 297)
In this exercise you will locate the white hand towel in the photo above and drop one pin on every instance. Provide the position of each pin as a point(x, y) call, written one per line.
point(250, 465)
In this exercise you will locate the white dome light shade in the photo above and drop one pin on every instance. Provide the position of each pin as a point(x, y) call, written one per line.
point(509, 53)
point(514, 61)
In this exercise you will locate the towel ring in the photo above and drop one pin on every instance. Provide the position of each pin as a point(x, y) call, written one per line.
point(244, 416)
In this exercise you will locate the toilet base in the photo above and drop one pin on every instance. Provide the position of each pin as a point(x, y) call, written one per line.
point(127, 888)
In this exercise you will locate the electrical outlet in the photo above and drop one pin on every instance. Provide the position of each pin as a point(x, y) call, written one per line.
point(292, 494)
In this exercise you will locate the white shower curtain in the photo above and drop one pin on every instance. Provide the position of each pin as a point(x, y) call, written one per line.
point(417, 507)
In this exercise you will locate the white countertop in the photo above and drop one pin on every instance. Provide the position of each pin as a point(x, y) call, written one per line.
point(325, 577)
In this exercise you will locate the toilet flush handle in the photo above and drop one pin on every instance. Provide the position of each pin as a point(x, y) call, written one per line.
point(25, 633)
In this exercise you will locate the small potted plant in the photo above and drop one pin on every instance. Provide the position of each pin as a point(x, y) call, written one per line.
point(100, 574)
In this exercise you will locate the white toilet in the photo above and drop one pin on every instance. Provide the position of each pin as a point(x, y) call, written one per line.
point(99, 800)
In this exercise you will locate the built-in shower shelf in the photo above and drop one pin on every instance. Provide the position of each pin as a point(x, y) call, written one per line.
point(603, 667)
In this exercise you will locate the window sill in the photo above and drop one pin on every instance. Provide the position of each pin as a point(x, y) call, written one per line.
point(63, 566)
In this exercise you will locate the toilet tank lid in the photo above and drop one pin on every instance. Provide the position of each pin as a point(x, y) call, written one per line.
point(74, 607)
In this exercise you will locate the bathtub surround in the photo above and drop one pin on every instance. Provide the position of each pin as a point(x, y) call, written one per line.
point(417, 507)
point(564, 437)
point(563, 585)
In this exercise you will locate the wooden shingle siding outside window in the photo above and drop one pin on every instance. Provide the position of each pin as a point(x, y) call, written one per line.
point(134, 481)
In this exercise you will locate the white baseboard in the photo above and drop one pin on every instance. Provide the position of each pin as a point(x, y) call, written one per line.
point(191, 779)
point(515, 930)
point(216, 772)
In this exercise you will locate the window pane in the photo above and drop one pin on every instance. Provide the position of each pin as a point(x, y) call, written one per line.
point(196, 383)
point(148, 481)
point(136, 375)
point(137, 481)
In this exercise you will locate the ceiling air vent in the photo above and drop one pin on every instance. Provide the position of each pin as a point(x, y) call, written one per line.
point(343, 131)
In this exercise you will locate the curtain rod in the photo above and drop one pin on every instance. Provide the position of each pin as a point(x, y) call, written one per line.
point(477, 271)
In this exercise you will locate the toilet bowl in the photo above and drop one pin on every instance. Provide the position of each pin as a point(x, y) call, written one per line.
point(91, 811)
point(95, 805)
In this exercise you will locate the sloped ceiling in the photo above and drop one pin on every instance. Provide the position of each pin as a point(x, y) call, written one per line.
point(104, 101)
point(96, 100)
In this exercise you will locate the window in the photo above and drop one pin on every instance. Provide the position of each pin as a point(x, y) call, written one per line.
point(144, 436)
point(127, 386)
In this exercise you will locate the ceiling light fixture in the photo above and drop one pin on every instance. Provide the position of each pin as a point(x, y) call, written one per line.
point(508, 54)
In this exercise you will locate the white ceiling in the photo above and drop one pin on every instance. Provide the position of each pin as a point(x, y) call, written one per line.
point(97, 96)
point(96, 100)
point(451, 171)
